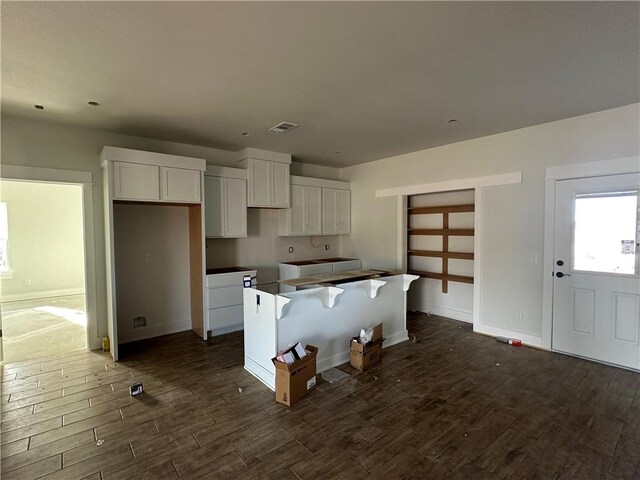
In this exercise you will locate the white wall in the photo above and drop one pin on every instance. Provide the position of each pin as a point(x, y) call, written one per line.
point(51, 145)
point(264, 249)
point(152, 268)
point(426, 294)
point(46, 247)
point(512, 215)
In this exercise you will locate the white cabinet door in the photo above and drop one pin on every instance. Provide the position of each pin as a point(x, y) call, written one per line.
point(235, 207)
point(329, 211)
point(132, 181)
point(336, 211)
point(225, 207)
point(260, 183)
point(213, 207)
point(280, 185)
point(180, 184)
point(343, 212)
point(296, 214)
point(313, 210)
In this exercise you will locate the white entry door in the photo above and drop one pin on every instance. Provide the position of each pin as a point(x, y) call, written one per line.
point(596, 295)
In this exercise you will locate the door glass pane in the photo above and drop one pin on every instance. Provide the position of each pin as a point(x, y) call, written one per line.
point(605, 232)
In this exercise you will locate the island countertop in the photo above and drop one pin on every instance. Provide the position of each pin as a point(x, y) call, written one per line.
point(333, 278)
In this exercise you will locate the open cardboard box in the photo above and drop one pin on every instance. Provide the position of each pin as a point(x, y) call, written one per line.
point(295, 380)
point(365, 356)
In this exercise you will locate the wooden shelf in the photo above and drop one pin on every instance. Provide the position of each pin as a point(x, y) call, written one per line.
point(443, 276)
point(459, 232)
point(445, 232)
point(445, 209)
point(433, 253)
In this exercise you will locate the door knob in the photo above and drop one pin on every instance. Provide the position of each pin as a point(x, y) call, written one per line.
point(560, 263)
point(560, 274)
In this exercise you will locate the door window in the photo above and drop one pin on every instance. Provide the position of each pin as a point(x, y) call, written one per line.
point(605, 232)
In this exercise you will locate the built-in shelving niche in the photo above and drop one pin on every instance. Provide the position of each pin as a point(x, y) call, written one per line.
point(445, 232)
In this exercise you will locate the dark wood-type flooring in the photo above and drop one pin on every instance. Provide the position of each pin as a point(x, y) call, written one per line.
point(453, 405)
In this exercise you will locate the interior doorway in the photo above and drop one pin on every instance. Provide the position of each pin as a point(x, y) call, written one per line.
point(42, 269)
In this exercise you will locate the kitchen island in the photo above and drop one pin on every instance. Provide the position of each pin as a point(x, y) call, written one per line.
point(327, 316)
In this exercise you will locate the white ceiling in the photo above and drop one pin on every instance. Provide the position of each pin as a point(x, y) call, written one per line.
point(370, 80)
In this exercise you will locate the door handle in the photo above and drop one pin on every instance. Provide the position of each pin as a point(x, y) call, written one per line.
point(560, 274)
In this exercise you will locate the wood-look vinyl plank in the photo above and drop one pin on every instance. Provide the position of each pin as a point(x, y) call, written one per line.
point(121, 424)
point(17, 413)
point(142, 471)
point(14, 448)
point(96, 447)
point(439, 408)
point(68, 430)
point(45, 451)
point(33, 400)
point(56, 402)
point(601, 434)
point(93, 464)
point(626, 458)
point(36, 470)
point(19, 387)
point(29, 430)
point(30, 419)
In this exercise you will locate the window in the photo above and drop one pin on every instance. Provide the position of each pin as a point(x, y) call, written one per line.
point(605, 232)
point(4, 239)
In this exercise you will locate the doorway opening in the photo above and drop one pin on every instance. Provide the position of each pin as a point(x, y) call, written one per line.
point(42, 269)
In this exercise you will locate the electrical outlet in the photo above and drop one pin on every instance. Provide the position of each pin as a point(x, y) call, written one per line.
point(290, 249)
point(147, 258)
point(27, 282)
point(139, 322)
point(326, 247)
point(533, 258)
point(523, 315)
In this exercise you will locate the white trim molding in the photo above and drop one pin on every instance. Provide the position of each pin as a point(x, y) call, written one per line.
point(85, 180)
point(452, 185)
point(618, 166)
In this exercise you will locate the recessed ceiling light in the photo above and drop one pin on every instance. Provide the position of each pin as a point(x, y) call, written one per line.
point(245, 134)
point(94, 104)
point(39, 107)
point(452, 121)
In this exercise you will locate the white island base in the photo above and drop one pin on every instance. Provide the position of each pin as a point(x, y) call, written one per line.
point(327, 317)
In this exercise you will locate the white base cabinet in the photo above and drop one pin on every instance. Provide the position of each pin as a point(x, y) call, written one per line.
point(224, 300)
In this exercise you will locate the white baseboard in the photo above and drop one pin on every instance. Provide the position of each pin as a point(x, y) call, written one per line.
point(224, 330)
point(18, 297)
point(152, 331)
point(448, 312)
point(492, 331)
point(255, 369)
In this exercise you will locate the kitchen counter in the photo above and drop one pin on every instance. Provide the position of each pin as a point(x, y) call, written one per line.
point(221, 270)
point(318, 260)
point(333, 278)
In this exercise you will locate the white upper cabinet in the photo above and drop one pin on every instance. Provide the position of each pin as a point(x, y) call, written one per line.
point(267, 178)
point(318, 207)
point(225, 200)
point(336, 211)
point(180, 185)
point(136, 175)
point(132, 181)
point(304, 216)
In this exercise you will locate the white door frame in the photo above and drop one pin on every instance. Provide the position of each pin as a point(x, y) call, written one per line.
point(85, 180)
point(552, 175)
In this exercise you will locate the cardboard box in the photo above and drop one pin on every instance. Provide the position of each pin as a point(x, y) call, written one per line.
point(295, 380)
point(366, 356)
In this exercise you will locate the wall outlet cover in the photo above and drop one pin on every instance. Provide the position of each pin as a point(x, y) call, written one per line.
point(139, 322)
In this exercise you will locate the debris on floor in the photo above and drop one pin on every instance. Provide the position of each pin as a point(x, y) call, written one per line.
point(333, 375)
point(511, 341)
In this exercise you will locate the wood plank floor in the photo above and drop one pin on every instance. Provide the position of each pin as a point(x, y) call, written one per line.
point(452, 405)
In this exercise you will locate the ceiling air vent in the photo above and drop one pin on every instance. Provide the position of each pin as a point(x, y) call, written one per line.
point(283, 127)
